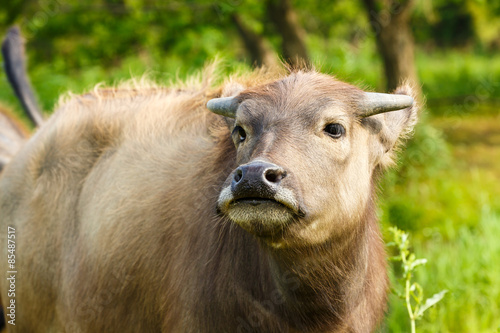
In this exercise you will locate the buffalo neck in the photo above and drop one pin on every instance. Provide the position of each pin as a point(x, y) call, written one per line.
point(321, 284)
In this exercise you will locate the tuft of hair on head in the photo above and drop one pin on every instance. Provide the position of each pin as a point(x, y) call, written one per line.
point(244, 79)
point(299, 65)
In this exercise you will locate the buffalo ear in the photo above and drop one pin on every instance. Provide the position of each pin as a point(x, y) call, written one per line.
point(392, 128)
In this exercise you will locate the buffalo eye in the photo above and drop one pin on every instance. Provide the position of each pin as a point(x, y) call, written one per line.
point(335, 130)
point(239, 134)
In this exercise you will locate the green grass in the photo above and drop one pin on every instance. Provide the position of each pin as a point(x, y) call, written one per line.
point(465, 265)
point(451, 205)
point(476, 142)
point(459, 82)
point(447, 173)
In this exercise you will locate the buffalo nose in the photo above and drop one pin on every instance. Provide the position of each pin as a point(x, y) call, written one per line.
point(258, 178)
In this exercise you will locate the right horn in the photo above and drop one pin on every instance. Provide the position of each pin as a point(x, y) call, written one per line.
point(375, 103)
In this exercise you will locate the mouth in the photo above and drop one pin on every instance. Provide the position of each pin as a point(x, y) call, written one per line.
point(256, 201)
point(261, 216)
point(281, 202)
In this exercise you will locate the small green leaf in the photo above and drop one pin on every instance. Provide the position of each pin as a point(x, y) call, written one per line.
point(418, 262)
point(417, 292)
point(430, 302)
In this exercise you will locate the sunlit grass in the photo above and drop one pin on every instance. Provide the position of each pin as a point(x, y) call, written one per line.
point(460, 83)
point(476, 142)
point(453, 211)
point(467, 266)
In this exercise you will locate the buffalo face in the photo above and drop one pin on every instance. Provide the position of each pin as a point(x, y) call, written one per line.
point(307, 147)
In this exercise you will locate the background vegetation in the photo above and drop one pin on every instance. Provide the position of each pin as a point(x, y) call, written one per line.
point(446, 190)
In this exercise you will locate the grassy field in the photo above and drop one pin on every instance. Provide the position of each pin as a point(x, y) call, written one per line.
point(457, 225)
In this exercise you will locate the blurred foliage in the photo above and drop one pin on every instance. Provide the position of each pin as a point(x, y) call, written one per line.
point(106, 40)
point(457, 23)
point(445, 188)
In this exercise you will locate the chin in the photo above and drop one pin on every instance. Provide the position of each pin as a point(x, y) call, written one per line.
point(261, 218)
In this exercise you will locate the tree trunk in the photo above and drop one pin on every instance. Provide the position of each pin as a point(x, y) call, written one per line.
point(285, 21)
point(259, 49)
point(390, 23)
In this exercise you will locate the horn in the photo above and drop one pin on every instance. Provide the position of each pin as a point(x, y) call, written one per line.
point(225, 106)
point(375, 103)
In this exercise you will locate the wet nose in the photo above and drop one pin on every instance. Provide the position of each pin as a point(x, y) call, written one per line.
point(258, 178)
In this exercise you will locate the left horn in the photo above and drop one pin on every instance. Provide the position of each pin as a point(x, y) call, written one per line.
point(225, 106)
point(375, 103)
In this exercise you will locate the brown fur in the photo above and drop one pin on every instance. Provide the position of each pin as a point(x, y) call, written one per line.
point(114, 199)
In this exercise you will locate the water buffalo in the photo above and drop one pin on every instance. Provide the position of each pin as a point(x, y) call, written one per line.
point(145, 209)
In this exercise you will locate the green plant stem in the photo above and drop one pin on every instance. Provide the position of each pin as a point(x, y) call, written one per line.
point(408, 306)
point(407, 285)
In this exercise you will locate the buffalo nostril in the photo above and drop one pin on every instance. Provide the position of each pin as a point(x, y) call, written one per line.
point(238, 175)
point(274, 175)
